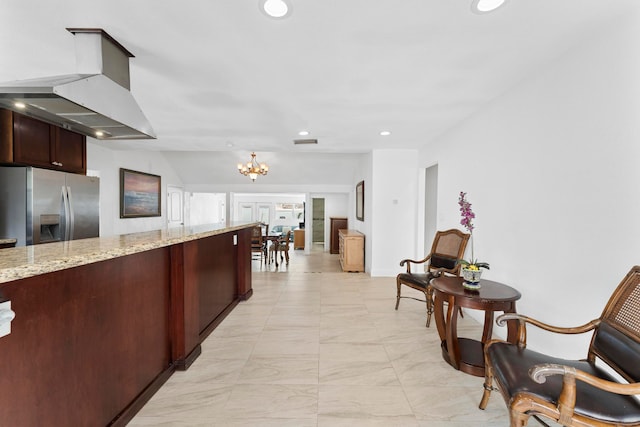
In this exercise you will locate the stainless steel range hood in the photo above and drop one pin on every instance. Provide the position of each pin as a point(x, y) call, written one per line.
point(95, 102)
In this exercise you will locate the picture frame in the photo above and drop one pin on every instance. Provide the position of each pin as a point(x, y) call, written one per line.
point(140, 194)
point(360, 201)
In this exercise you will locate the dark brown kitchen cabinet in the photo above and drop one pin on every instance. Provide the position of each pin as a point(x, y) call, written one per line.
point(336, 225)
point(28, 141)
point(70, 150)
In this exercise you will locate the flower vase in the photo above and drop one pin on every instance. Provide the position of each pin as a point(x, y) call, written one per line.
point(471, 278)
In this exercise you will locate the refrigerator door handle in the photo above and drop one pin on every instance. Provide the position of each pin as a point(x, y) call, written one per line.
point(64, 224)
point(71, 213)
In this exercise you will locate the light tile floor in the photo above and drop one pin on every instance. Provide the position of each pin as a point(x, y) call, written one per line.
point(318, 347)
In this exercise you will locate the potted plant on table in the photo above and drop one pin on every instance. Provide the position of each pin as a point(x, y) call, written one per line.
point(471, 270)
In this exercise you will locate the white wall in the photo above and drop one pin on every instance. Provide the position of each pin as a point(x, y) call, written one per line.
point(289, 172)
point(108, 163)
point(551, 169)
point(363, 172)
point(392, 209)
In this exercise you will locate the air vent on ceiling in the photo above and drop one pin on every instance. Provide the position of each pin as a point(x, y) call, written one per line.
point(305, 141)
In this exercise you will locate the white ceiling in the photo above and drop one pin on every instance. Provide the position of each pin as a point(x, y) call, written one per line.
point(218, 75)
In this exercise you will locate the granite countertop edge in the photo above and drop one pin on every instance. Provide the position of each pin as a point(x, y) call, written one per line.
point(28, 261)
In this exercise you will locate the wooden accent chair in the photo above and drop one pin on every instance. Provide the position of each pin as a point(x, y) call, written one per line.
point(447, 248)
point(574, 392)
point(257, 242)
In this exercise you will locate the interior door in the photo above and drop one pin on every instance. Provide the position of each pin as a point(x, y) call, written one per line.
point(317, 220)
point(245, 212)
point(175, 206)
point(264, 213)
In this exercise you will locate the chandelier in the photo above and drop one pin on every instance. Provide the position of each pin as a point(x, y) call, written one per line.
point(252, 169)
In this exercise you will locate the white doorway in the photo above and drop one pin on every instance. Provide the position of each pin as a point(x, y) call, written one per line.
point(281, 211)
point(430, 205)
point(317, 220)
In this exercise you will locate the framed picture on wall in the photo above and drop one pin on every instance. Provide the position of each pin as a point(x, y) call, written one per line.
point(360, 201)
point(139, 194)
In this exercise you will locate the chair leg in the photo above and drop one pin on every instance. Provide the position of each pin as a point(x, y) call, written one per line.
point(518, 419)
point(398, 284)
point(488, 387)
point(429, 297)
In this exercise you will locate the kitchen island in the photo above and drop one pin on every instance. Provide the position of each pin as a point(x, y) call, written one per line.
point(102, 323)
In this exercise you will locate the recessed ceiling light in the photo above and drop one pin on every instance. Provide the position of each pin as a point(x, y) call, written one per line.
point(303, 133)
point(277, 9)
point(385, 133)
point(485, 6)
point(99, 133)
point(20, 105)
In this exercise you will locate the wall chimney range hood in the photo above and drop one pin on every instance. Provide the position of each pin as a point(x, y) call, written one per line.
point(96, 101)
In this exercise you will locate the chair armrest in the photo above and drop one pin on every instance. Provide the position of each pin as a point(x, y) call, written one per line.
point(439, 271)
point(523, 320)
point(539, 374)
point(410, 261)
point(567, 399)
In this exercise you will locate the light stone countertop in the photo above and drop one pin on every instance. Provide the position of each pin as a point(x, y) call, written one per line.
point(27, 261)
point(5, 241)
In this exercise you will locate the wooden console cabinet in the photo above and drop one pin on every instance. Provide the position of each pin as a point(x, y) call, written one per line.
point(298, 239)
point(334, 240)
point(351, 250)
point(31, 142)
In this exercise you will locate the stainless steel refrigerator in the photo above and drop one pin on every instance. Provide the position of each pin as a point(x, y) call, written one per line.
point(41, 206)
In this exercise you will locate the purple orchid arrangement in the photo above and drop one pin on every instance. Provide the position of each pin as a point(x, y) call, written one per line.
point(467, 221)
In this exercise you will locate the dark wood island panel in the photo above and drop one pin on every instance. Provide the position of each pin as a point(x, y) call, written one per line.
point(86, 342)
point(91, 344)
point(210, 276)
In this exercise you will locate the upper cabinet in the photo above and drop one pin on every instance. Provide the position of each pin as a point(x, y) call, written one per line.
point(70, 150)
point(31, 142)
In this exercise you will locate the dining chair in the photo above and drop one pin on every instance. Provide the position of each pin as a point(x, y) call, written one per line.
point(280, 246)
point(257, 242)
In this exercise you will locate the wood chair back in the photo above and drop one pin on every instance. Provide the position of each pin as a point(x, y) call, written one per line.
point(617, 337)
point(257, 242)
point(447, 248)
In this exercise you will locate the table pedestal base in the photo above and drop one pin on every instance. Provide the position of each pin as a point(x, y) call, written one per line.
point(471, 356)
point(467, 354)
